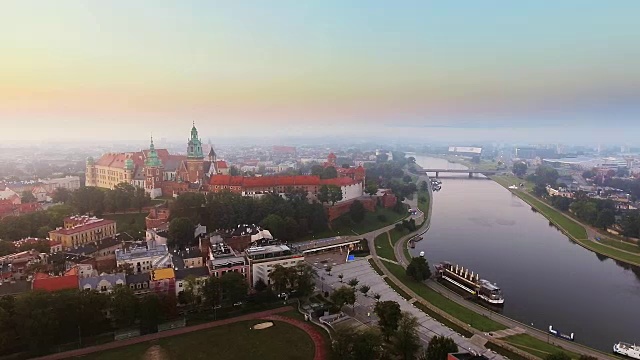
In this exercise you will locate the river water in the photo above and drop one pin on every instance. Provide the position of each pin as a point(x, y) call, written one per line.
point(545, 277)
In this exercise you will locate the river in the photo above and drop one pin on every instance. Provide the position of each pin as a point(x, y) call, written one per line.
point(545, 277)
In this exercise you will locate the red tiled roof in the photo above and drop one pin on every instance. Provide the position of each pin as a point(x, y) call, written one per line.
point(55, 283)
point(341, 181)
point(221, 164)
point(98, 223)
point(265, 181)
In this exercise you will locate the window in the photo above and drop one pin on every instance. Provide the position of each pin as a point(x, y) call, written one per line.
point(103, 288)
point(138, 286)
point(144, 285)
point(179, 284)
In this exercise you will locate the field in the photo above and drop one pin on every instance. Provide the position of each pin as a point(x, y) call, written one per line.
point(622, 245)
point(228, 342)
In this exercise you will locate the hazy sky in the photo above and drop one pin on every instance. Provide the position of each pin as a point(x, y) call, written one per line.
point(124, 69)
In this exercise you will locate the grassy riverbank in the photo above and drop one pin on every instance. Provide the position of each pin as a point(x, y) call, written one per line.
point(536, 347)
point(460, 312)
point(614, 249)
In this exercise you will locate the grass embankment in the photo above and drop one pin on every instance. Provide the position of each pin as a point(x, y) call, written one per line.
point(344, 226)
point(233, 341)
point(424, 205)
point(569, 225)
point(461, 313)
point(383, 247)
point(622, 245)
point(611, 248)
point(536, 347)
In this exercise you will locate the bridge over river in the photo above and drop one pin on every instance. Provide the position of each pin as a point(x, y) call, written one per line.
point(471, 172)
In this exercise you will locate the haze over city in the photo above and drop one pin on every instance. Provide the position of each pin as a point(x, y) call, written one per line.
point(491, 71)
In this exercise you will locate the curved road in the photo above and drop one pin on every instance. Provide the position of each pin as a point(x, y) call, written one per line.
point(508, 322)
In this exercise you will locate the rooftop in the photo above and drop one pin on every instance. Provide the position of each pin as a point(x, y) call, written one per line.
point(197, 272)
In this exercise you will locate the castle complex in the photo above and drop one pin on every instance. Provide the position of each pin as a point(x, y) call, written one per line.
point(164, 174)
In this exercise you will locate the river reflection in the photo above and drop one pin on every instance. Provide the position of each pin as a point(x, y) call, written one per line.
point(547, 279)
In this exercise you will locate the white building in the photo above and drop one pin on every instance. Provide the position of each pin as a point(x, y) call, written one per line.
point(144, 258)
point(263, 259)
point(70, 183)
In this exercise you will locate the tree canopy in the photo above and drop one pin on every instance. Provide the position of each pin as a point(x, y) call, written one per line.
point(418, 269)
point(181, 232)
point(439, 347)
point(389, 315)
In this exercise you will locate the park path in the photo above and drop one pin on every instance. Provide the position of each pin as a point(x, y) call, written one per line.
point(314, 334)
point(174, 332)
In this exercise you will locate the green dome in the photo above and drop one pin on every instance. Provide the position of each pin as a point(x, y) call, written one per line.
point(128, 164)
point(90, 161)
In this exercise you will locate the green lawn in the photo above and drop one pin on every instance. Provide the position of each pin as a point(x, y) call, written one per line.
point(396, 235)
point(475, 320)
point(536, 347)
point(613, 253)
point(345, 226)
point(383, 247)
point(573, 228)
point(233, 341)
point(622, 245)
point(424, 205)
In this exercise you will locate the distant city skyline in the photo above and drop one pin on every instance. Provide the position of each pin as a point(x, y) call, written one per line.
point(497, 71)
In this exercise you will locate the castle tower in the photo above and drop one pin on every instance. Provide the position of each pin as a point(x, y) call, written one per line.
point(154, 173)
point(128, 169)
point(195, 158)
point(91, 172)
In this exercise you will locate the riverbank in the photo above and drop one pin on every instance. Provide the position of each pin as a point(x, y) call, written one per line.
point(574, 230)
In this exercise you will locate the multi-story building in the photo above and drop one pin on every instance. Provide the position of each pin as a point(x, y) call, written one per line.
point(79, 230)
point(102, 283)
point(144, 258)
point(70, 183)
point(139, 283)
point(163, 281)
point(263, 259)
point(200, 275)
point(222, 259)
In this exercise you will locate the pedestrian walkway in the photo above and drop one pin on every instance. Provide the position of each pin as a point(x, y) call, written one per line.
point(507, 332)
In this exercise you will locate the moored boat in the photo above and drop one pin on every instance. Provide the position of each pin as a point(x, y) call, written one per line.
point(559, 334)
point(626, 349)
point(470, 282)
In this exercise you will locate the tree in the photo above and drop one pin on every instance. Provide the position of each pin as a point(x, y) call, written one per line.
point(335, 194)
point(439, 347)
point(317, 170)
point(418, 269)
point(406, 340)
point(329, 173)
point(150, 313)
point(212, 292)
point(389, 315)
point(353, 282)
point(276, 225)
point(124, 306)
point(351, 344)
point(546, 175)
point(303, 275)
point(260, 285)
point(371, 188)
point(126, 268)
point(38, 324)
point(233, 171)
point(343, 295)
point(424, 186)
point(181, 232)
point(234, 287)
point(558, 356)
point(323, 194)
point(377, 296)
point(364, 289)
point(8, 326)
point(357, 211)
point(6, 248)
point(282, 278)
point(188, 294)
point(27, 197)
point(341, 276)
point(407, 179)
point(519, 168)
point(606, 218)
point(61, 195)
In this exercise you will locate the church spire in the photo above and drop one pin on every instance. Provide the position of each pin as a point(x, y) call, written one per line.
point(194, 148)
point(152, 158)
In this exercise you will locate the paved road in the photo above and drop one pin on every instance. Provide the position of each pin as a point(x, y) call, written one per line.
point(510, 323)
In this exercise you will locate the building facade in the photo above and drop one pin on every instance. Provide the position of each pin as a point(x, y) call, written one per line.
point(262, 260)
point(79, 230)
